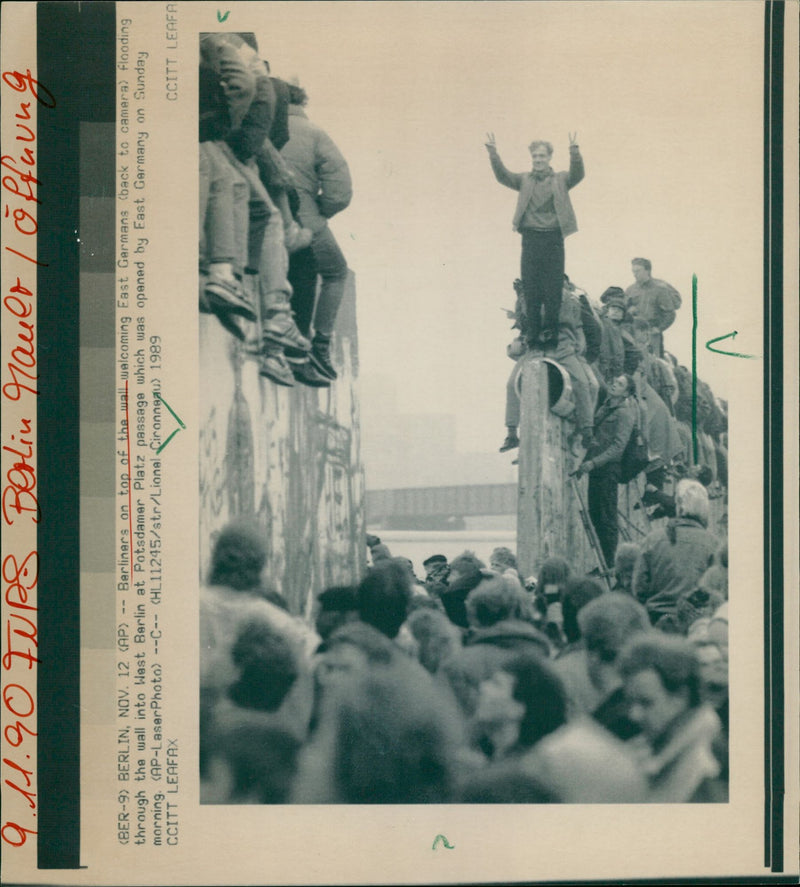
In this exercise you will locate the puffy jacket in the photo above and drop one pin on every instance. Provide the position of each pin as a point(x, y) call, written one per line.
point(321, 174)
point(655, 301)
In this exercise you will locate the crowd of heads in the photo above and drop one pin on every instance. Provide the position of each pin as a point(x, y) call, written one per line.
point(473, 684)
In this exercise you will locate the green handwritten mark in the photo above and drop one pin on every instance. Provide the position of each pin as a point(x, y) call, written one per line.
point(732, 335)
point(175, 416)
point(221, 17)
point(443, 840)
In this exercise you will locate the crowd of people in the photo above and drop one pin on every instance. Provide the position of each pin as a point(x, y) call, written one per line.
point(473, 684)
point(633, 408)
point(270, 268)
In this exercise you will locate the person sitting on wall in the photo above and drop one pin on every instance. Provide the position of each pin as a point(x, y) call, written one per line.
point(324, 188)
point(515, 350)
point(611, 359)
point(654, 301)
point(544, 217)
point(570, 352)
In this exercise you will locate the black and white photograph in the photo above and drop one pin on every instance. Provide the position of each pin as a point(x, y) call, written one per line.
point(429, 370)
point(427, 579)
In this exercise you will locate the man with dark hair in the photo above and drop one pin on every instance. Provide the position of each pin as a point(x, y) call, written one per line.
point(654, 301)
point(544, 217)
point(614, 422)
point(465, 574)
point(607, 624)
point(384, 595)
point(662, 683)
point(337, 606)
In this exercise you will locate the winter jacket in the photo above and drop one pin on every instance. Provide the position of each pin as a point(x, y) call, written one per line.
point(613, 425)
point(485, 651)
point(661, 429)
point(654, 301)
point(665, 569)
point(562, 182)
point(581, 763)
point(684, 762)
point(237, 99)
point(321, 174)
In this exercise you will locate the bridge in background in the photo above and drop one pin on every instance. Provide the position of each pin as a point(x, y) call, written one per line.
point(438, 507)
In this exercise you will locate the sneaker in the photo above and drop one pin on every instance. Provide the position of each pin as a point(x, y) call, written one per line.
point(296, 358)
point(297, 238)
point(515, 461)
point(230, 322)
point(510, 443)
point(282, 330)
point(307, 374)
point(233, 325)
point(226, 297)
point(274, 366)
point(320, 357)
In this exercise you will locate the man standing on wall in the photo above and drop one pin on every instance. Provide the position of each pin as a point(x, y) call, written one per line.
point(544, 217)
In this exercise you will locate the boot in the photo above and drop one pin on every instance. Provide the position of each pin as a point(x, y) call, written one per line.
point(279, 328)
point(307, 374)
point(321, 356)
point(273, 365)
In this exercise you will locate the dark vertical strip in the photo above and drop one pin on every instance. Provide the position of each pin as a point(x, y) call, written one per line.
point(773, 435)
point(695, 451)
point(75, 60)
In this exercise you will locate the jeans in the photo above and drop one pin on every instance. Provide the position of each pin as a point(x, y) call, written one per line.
point(265, 246)
point(584, 389)
point(303, 278)
point(224, 210)
point(332, 268)
point(542, 272)
point(512, 397)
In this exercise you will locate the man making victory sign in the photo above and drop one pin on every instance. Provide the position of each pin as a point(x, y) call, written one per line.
point(544, 217)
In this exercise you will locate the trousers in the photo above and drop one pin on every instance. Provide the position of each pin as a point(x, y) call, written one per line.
point(323, 259)
point(603, 498)
point(542, 273)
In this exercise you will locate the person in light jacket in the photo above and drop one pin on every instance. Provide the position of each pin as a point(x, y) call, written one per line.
point(673, 560)
point(544, 217)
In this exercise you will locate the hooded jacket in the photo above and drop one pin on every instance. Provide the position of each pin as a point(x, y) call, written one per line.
point(321, 174)
point(665, 569)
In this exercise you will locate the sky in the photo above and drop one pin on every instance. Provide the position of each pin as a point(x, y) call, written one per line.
point(666, 99)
